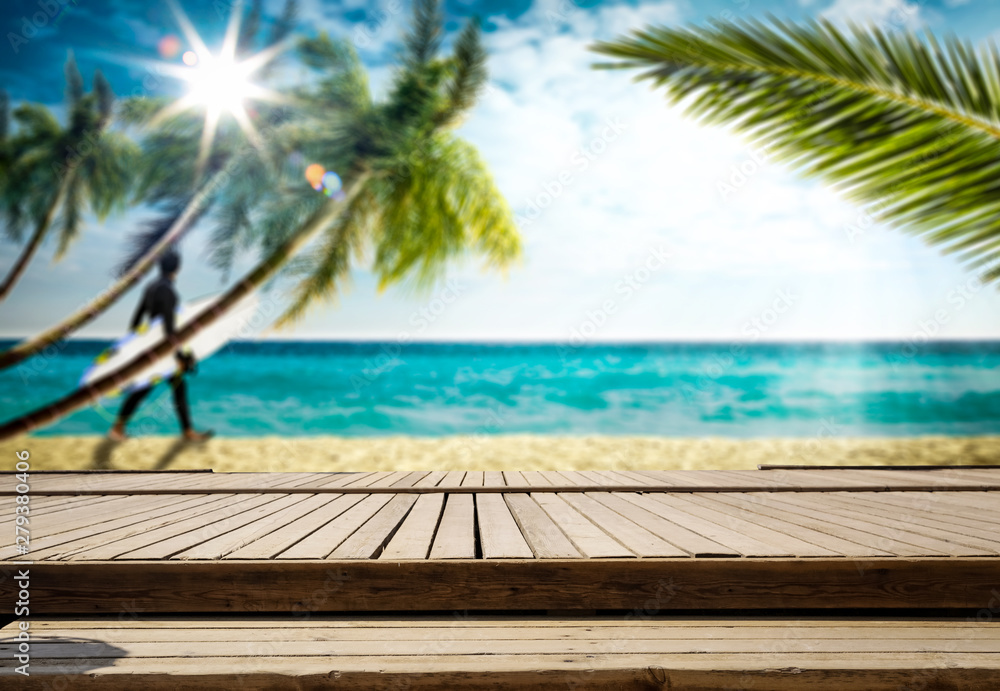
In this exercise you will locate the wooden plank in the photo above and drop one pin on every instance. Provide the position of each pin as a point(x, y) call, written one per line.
point(499, 536)
point(544, 537)
point(984, 535)
point(320, 543)
point(937, 504)
point(686, 538)
point(603, 485)
point(368, 540)
point(599, 479)
point(884, 527)
point(780, 520)
point(277, 542)
point(411, 479)
point(91, 513)
point(233, 629)
point(897, 521)
point(780, 542)
point(514, 479)
point(384, 479)
point(590, 540)
point(301, 479)
point(452, 479)
point(432, 479)
point(931, 480)
point(343, 480)
point(378, 647)
point(64, 545)
point(493, 478)
point(754, 478)
point(456, 538)
point(699, 625)
point(669, 478)
point(365, 585)
point(984, 503)
point(638, 478)
point(536, 478)
point(881, 536)
point(535, 672)
point(572, 478)
point(637, 536)
point(473, 478)
point(235, 538)
point(413, 539)
point(186, 533)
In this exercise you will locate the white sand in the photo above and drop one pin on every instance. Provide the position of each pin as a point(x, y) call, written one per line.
point(514, 452)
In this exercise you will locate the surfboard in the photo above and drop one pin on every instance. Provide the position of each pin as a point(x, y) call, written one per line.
point(239, 321)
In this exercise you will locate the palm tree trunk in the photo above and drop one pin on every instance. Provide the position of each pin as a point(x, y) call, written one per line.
point(251, 282)
point(41, 230)
point(25, 349)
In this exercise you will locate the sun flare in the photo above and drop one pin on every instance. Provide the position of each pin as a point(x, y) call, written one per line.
point(219, 83)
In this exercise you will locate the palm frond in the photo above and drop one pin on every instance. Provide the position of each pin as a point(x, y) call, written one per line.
point(111, 173)
point(285, 24)
point(36, 124)
point(344, 82)
point(441, 206)
point(423, 41)
point(249, 29)
point(4, 115)
point(468, 77)
point(906, 126)
point(69, 228)
point(105, 99)
point(74, 81)
point(326, 271)
point(151, 232)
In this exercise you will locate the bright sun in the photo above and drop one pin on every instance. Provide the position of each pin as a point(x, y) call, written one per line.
point(221, 84)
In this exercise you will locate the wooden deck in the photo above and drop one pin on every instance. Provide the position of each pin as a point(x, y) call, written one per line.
point(657, 544)
point(474, 652)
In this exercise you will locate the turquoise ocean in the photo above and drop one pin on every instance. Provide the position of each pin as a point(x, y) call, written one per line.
point(671, 389)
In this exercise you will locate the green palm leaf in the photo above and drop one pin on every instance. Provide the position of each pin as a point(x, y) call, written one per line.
point(906, 126)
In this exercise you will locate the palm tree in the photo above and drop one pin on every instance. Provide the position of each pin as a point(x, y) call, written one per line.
point(414, 192)
point(907, 126)
point(167, 176)
point(63, 170)
point(6, 146)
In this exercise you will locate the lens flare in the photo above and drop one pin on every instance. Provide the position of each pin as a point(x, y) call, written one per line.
point(169, 47)
point(190, 58)
point(314, 174)
point(331, 182)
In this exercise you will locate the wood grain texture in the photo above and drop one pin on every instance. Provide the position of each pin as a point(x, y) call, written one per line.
point(499, 534)
point(510, 652)
point(456, 534)
point(507, 584)
point(413, 539)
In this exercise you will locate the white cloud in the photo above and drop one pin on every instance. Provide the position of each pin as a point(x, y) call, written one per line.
point(659, 182)
point(888, 13)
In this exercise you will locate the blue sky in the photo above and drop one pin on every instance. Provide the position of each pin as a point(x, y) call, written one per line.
point(638, 223)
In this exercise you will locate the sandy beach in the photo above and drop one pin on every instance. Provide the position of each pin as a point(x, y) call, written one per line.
point(496, 452)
